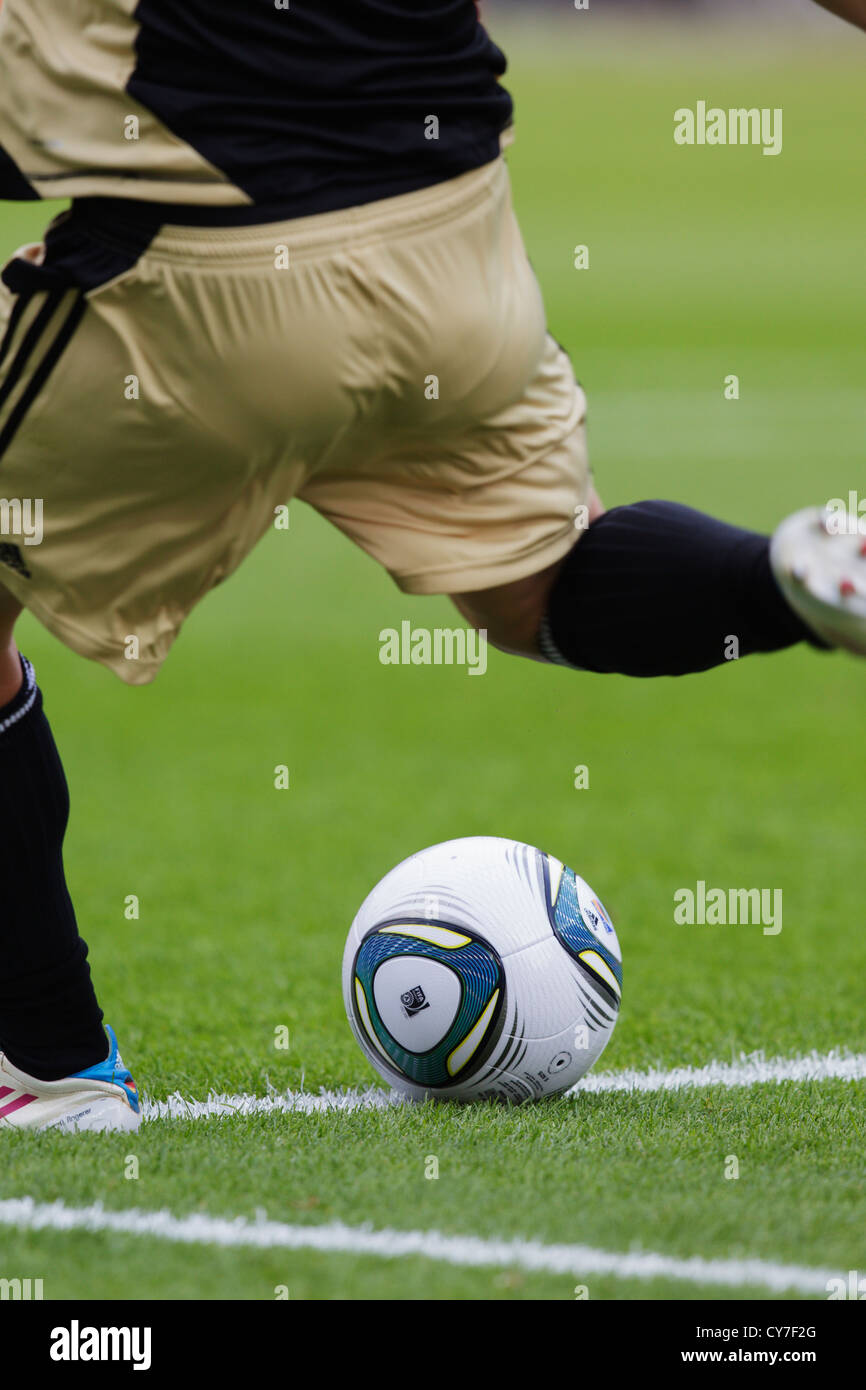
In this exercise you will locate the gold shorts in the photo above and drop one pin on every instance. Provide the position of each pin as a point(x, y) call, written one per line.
point(389, 364)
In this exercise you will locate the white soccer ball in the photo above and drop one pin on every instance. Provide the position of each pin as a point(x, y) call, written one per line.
point(482, 969)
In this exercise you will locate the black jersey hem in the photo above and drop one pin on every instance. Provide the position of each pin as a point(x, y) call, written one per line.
point(138, 213)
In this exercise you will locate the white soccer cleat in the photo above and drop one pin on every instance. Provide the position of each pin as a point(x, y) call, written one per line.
point(818, 557)
point(100, 1098)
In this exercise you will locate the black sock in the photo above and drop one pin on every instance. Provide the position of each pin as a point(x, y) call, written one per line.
point(50, 1022)
point(656, 589)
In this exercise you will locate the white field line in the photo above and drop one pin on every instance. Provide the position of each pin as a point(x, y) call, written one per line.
point(579, 1262)
point(751, 1070)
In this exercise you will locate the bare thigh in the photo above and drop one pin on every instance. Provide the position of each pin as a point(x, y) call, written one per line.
point(10, 667)
point(512, 613)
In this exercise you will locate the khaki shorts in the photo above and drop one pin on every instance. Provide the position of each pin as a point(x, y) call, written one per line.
point(388, 364)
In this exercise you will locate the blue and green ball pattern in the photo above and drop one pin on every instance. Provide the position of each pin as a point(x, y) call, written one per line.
point(480, 973)
point(579, 940)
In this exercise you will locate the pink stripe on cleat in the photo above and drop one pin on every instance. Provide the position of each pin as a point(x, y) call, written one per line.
point(14, 1105)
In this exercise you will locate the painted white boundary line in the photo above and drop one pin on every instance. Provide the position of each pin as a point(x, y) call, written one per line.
point(751, 1070)
point(579, 1262)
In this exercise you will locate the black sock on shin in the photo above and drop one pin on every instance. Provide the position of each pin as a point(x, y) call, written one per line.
point(657, 589)
point(50, 1022)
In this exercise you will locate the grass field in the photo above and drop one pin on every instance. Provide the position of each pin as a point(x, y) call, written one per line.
point(703, 263)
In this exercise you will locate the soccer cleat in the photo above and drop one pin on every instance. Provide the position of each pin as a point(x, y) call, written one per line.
point(99, 1098)
point(818, 558)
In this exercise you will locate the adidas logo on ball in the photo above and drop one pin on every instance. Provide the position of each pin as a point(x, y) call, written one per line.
point(413, 1001)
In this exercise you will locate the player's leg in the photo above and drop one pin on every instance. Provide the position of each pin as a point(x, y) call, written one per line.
point(10, 665)
point(660, 589)
point(50, 1022)
point(481, 488)
point(511, 614)
point(159, 498)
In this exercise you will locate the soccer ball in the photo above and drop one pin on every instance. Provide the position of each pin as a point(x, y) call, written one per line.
point(482, 969)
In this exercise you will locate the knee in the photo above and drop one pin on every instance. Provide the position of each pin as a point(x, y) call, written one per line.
point(10, 608)
point(511, 615)
point(10, 666)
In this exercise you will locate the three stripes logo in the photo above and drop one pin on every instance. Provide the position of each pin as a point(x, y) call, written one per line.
point(32, 345)
point(12, 1100)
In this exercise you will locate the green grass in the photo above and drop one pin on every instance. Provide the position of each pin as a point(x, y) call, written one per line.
point(702, 263)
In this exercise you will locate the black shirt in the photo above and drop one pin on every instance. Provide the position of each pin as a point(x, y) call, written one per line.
point(321, 105)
